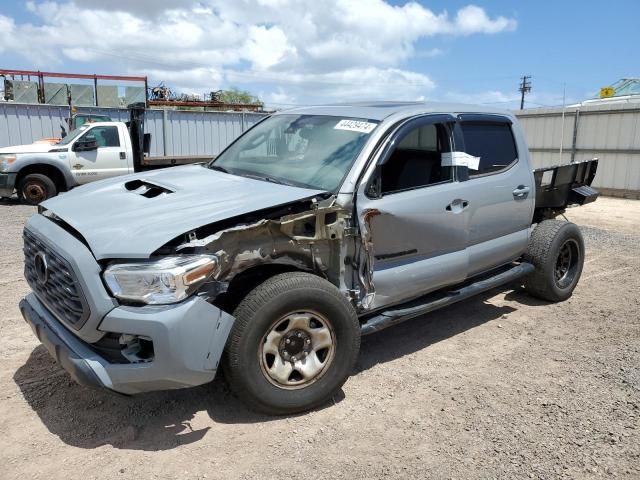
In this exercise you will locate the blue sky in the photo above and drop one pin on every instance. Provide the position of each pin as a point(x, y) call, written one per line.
point(290, 52)
point(583, 44)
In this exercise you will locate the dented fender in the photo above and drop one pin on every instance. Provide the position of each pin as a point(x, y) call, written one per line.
point(320, 239)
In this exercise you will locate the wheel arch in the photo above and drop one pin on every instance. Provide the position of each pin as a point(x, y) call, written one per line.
point(248, 279)
point(59, 177)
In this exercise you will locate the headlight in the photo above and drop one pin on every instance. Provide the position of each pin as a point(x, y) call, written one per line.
point(159, 282)
point(5, 161)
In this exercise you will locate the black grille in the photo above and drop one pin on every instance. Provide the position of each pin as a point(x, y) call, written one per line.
point(56, 285)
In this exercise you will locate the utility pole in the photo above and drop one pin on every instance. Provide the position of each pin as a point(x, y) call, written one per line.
point(525, 87)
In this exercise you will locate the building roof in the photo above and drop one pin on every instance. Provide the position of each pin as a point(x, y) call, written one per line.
point(626, 90)
point(624, 87)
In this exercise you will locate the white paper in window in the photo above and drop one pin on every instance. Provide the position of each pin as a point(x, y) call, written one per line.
point(460, 159)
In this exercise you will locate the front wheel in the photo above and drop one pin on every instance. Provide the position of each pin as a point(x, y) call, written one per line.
point(36, 188)
point(556, 249)
point(294, 343)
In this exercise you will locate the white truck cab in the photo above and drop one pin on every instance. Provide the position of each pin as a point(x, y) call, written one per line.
point(93, 151)
point(96, 151)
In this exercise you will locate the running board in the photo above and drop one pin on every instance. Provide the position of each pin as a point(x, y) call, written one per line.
point(442, 299)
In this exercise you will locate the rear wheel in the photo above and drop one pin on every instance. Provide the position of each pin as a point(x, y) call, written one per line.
point(556, 249)
point(36, 188)
point(294, 343)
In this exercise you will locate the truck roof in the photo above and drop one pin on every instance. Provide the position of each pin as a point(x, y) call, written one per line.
point(382, 110)
point(100, 124)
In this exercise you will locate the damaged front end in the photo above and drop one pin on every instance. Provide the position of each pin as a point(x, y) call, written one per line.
point(314, 235)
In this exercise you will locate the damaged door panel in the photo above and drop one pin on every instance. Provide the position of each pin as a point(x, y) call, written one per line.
point(416, 244)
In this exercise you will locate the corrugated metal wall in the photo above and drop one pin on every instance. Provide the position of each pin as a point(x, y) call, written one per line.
point(173, 132)
point(609, 132)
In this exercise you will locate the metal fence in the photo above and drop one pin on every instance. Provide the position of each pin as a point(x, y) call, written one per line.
point(609, 132)
point(173, 132)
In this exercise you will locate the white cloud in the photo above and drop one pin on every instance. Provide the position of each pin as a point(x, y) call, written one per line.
point(433, 52)
point(266, 47)
point(488, 97)
point(509, 100)
point(296, 50)
point(473, 19)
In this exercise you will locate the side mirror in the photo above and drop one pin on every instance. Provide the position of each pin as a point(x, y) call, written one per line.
point(85, 144)
point(63, 131)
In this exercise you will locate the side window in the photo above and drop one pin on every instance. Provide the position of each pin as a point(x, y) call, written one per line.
point(493, 143)
point(105, 136)
point(416, 161)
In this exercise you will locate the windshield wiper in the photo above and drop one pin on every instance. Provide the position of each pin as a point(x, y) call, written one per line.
point(277, 180)
point(218, 168)
point(255, 176)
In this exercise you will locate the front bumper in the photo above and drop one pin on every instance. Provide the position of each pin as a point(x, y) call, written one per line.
point(7, 183)
point(188, 340)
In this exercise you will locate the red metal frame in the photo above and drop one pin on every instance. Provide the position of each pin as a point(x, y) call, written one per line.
point(231, 106)
point(86, 76)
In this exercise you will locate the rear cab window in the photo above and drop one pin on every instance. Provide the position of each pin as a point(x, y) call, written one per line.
point(492, 142)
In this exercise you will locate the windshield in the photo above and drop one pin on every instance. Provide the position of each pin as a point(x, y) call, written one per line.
point(73, 134)
point(311, 151)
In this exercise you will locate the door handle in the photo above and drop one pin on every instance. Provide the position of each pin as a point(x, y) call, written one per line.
point(521, 191)
point(457, 205)
point(123, 155)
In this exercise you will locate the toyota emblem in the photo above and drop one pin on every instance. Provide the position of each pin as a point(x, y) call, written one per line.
point(42, 268)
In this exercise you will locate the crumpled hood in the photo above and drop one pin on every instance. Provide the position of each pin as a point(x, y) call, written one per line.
point(121, 223)
point(31, 148)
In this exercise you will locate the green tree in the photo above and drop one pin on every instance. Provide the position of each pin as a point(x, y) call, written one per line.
point(235, 95)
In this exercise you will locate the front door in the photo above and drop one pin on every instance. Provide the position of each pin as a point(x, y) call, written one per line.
point(416, 216)
point(108, 160)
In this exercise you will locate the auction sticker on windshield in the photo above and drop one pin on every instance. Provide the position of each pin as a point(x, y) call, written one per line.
point(355, 126)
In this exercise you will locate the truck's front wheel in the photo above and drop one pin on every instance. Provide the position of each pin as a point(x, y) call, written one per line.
point(36, 188)
point(295, 341)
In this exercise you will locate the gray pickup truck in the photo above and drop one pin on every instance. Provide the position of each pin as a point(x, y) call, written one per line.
point(316, 226)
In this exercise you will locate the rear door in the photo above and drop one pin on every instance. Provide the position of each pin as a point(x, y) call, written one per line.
point(499, 193)
point(411, 206)
point(108, 160)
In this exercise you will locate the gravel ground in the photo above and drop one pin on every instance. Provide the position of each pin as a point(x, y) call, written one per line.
point(502, 386)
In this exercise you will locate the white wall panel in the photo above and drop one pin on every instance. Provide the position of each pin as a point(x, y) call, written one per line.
point(609, 132)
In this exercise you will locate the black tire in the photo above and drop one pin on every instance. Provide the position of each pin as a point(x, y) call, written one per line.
point(258, 314)
point(556, 249)
point(36, 188)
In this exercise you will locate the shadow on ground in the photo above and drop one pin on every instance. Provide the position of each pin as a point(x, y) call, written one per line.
point(10, 201)
point(89, 418)
point(421, 332)
point(520, 295)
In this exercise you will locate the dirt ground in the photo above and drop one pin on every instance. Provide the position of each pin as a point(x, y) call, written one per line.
point(502, 386)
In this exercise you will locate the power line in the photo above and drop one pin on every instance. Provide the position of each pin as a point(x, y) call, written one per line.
point(525, 87)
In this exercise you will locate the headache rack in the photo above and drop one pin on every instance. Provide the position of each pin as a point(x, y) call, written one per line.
point(560, 186)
